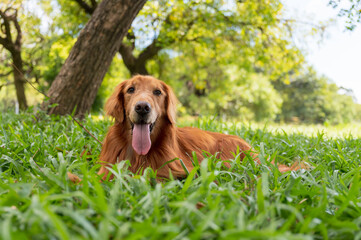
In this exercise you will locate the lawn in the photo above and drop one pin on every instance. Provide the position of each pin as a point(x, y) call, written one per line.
point(247, 201)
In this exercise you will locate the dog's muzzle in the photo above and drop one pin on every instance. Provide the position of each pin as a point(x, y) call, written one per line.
point(143, 109)
point(142, 128)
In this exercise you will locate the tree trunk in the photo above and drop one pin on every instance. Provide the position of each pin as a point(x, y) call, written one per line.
point(9, 28)
point(75, 87)
point(19, 79)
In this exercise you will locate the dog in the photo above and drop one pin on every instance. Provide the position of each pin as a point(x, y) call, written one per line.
point(145, 132)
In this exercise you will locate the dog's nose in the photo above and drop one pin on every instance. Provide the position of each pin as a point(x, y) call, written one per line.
point(142, 108)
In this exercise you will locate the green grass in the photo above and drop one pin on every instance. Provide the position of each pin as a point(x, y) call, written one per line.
point(247, 201)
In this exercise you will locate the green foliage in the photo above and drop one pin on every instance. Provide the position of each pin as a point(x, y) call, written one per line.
point(225, 56)
point(313, 99)
point(49, 31)
point(60, 34)
point(351, 11)
point(58, 50)
point(30, 41)
point(232, 59)
point(231, 92)
point(68, 19)
point(247, 201)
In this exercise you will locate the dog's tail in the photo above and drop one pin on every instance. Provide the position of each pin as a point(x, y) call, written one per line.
point(295, 166)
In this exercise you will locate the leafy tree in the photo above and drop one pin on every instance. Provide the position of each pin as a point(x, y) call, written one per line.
point(169, 28)
point(217, 69)
point(77, 83)
point(224, 90)
point(202, 40)
point(313, 99)
point(230, 58)
point(164, 25)
point(25, 46)
point(11, 40)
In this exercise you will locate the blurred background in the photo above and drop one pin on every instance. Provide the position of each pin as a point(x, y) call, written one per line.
point(265, 61)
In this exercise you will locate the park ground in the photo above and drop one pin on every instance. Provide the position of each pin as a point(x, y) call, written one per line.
point(247, 201)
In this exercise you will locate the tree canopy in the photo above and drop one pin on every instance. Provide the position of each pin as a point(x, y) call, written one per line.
point(229, 58)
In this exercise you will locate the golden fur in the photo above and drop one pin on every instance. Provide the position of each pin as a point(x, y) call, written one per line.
point(168, 141)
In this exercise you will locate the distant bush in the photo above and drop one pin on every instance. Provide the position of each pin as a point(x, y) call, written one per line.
point(313, 99)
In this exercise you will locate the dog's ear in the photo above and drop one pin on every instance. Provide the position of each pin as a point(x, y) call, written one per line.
point(115, 104)
point(171, 104)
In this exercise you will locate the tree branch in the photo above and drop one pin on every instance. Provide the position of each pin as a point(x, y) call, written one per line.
point(6, 74)
point(86, 7)
point(6, 25)
point(6, 84)
point(127, 55)
point(3, 41)
point(94, 4)
point(153, 49)
point(150, 51)
point(18, 29)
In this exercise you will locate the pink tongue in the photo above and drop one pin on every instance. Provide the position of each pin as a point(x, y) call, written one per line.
point(141, 138)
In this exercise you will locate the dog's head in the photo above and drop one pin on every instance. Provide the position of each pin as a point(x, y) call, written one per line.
point(142, 103)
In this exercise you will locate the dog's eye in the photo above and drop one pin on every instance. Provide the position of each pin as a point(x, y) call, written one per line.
point(157, 92)
point(130, 90)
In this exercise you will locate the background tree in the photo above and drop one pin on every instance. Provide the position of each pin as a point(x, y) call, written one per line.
point(229, 58)
point(11, 40)
point(310, 98)
point(30, 52)
point(77, 83)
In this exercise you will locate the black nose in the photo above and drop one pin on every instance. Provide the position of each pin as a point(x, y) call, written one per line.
point(142, 108)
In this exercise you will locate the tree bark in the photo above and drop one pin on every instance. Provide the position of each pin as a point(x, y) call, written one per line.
point(75, 87)
point(19, 79)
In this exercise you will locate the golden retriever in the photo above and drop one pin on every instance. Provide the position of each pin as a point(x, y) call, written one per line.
point(145, 132)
